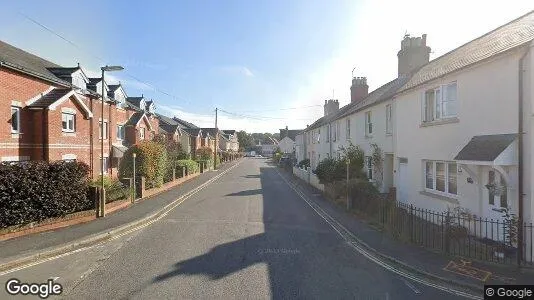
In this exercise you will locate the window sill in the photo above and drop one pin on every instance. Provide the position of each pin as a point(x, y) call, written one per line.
point(440, 122)
point(369, 136)
point(16, 135)
point(68, 133)
point(440, 197)
point(389, 134)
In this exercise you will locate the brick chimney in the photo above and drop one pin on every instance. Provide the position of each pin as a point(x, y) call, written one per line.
point(359, 89)
point(330, 107)
point(414, 53)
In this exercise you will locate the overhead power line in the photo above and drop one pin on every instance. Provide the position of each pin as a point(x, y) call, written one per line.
point(156, 89)
point(262, 118)
point(278, 109)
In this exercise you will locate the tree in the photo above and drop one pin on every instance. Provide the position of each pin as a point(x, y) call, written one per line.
point(245, 140)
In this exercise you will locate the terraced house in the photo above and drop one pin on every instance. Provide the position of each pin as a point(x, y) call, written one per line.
point(456, 131)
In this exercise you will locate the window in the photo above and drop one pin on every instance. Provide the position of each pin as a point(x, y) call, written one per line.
point(369, 167)
point(68, 122)
point(105, 130)
point(334, 133)
point(389, 124)
point(106, 165)
point(15, 119)
point(120, 132)
point(368, 124)
point(338, 127)
point(319, 136)
point(142, 133)
point(328, 133)
point(441, 177)
point(348, 129)
point(440, 103)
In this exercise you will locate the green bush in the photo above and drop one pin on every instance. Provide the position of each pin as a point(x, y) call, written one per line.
point(330, 169)
point(98, 182)
point(191, 165)
point(207, 162)
point(305, 163)
point(204, 153)
point(356, 157)
point(151, 162)
point(365, 196)
point(116, 191)
point(34, 191)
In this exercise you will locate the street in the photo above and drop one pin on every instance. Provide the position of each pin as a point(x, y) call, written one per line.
point(246, 236)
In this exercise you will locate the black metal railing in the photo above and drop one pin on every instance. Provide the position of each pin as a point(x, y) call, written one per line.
point(459, 233)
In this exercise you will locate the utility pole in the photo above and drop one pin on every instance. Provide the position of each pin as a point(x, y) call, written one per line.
point(216, 136)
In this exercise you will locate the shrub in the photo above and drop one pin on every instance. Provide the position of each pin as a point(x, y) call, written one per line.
point(98, 182)
point(365, 196)
point(207, 162)
point(191, 165)
point(34, 191)
point(151, 162)
point(204, 153)
point(330, 169)
point(357, 159)
point(116, 191)
point(305, 163)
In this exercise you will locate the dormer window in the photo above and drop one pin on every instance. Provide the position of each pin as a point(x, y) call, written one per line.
point(142, 104)
point(79, 81)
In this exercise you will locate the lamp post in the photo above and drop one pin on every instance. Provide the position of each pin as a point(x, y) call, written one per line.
point(102, 191)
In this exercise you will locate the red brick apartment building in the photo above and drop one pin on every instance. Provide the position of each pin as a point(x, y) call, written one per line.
point(54, 113)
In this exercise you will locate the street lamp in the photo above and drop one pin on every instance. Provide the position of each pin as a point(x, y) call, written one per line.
point(102, 192)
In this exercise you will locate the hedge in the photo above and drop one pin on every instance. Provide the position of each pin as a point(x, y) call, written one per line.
point(151, 162)
point(192, 166)
point(34, 191)
point(207, 162)
point(115, 190)
point(305, 163)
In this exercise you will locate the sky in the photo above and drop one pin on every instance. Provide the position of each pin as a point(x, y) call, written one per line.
point(265, 64)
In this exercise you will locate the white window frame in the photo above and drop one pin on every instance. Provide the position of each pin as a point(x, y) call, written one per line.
point(438, 110)
point(141, 133)
point(319, 136)
point(369, 167)
point(121, 132)
point(65, 118)
point(16, 109)
point(328, 133)
point(334, 132)
point(347, 129)
point(106, 129)
point(389, 119)
point(368, 123)
point(434, 173)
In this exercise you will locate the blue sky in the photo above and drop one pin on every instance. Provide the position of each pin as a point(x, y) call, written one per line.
point(247, 57)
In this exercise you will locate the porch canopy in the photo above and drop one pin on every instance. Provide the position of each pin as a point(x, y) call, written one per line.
point(492, 150)
point(118, 151)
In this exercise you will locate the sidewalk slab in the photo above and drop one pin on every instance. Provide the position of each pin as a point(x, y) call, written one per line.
point(34, 243)
point(414, 256)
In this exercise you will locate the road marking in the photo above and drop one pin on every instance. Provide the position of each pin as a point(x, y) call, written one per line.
point(464, 268)
point(356, 244)
point(167, 209)
point(412, 287)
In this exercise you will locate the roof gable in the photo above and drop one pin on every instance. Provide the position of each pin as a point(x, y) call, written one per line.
point(56, 97)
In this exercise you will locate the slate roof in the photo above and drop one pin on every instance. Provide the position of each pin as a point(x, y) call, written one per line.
point(185, 123)
point(113, 87)
point(166, 120)
point(229, 131)
point(27, 62)
point(211, 131)
point(381, 94)
point(96, 80)
point(290, 133)
point(485, 147)
point(134, 119)
point(135, 101)
point(50, 98)
point(63, 71)
point(508, 36)
point(192, 131)
point(168, 128)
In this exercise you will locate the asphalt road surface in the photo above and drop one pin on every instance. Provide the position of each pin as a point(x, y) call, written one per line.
point(246, 236)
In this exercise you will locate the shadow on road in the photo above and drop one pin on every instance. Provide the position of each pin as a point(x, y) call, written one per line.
point(251, 176)
point(293, 247)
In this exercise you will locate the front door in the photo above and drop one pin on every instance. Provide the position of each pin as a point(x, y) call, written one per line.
point(496, 203)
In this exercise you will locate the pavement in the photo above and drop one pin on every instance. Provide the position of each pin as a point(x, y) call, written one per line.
point(459, 271)
point(35, 243)
point(249, 234)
